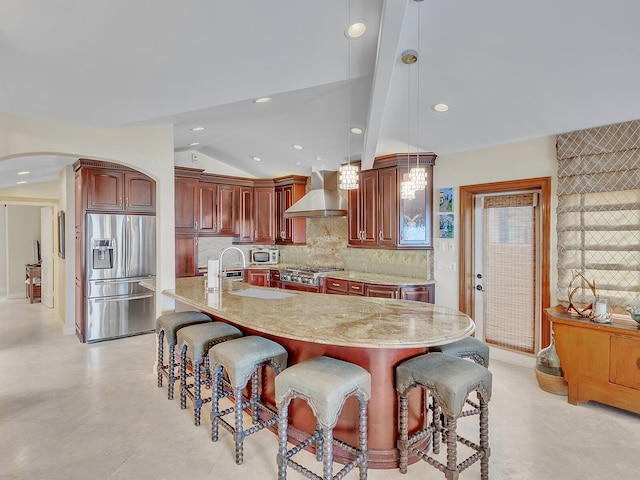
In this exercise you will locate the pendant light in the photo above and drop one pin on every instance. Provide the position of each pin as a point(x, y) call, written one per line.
point(418, 174)
point(348, 174)
point(407, 189)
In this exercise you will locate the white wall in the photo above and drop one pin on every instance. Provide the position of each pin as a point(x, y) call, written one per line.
point(23, 228)
point(514, 161)
point(147, 149)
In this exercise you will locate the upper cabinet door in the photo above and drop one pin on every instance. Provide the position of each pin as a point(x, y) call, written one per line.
point(228, 197)
point(186, 204)
point(105, 190)
point(387, 206)
point(207, 193)
point(140, 193)
point(264, 208)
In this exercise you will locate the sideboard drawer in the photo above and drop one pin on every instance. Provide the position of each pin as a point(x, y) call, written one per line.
point(624, 362)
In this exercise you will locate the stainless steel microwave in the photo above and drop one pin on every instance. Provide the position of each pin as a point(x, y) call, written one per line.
point(267, 256)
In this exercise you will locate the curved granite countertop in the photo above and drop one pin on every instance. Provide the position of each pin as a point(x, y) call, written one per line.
point(349, 321)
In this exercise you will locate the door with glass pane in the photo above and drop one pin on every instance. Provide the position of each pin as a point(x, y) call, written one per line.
point(506, 269)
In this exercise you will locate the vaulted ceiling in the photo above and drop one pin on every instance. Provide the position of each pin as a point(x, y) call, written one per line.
point(508, 70)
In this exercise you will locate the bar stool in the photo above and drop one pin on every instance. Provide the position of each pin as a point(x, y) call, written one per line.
point(472, 349)
point(242, 359)
point(197, 340)
point(469, 347)
point(167, 326)
point(449, 380)
point(324, 383)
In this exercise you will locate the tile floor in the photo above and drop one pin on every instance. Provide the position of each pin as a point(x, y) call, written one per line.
point(76, 411)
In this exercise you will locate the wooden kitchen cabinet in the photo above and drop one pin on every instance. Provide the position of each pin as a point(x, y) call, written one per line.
point(288, 190)
point(186, 250)
point(339, 286)
point(116, 188)
point(257, 277)
point(381, 291)
point(601, 362)
point(186, 201)
point(264, 210)
point(420, 293)
point(274, 279)
point(379, 218)
point(245, 208)
point(217, 205)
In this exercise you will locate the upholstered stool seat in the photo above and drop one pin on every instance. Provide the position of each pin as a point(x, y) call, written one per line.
point(197, 340)
point(242, 359)
point(473, 349)
point(324, 383)
point(449, 380)
point(468, 347)
point(167, 326)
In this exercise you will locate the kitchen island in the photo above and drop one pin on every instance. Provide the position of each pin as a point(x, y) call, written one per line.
point(375, 333)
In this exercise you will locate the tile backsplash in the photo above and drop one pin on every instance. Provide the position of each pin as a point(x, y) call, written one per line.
point(327, 246)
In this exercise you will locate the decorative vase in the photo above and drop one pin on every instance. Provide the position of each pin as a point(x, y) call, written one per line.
point(549, 371)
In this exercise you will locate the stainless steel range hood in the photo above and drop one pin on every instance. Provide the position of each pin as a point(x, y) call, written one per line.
point(324, 199)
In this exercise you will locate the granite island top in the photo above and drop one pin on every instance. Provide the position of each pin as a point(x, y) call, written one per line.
point(352, 321)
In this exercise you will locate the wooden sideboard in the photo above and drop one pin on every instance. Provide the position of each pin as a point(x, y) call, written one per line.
point(601, 362)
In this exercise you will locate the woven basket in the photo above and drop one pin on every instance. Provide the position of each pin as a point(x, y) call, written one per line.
point(552, 383)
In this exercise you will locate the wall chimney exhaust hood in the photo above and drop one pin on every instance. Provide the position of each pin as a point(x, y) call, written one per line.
point(323, 200)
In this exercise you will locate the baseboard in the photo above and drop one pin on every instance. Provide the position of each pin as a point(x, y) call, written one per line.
point(515, 358)
point(16, 295)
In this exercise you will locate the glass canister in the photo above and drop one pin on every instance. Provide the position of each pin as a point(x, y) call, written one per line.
point(548, 361)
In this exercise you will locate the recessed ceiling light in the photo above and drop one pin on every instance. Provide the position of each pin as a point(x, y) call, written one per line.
point(319, 159)
point(194, 144)
point(197, 129)
point(440, 107)
point(298, 163)
point(257, 159)
point(20, 183)
point(262, 100)
point(356, 30)
point(356, 130)
point(297, 147)
point(25, 172)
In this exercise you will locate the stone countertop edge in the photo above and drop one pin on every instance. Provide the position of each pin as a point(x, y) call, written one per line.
point(148, 284)
point(340, 320)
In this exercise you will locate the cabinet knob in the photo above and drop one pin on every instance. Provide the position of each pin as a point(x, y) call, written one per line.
point(337, 285)
point(380, 235)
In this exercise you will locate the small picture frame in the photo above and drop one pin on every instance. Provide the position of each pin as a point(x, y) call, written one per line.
point(446, 200)
point(446, 225)
point(61, 234)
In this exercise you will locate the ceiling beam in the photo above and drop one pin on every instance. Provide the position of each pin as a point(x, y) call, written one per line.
point(393, 12)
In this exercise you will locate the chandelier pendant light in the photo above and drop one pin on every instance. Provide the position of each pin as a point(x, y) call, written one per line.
point(348, 174)
point(417, 175)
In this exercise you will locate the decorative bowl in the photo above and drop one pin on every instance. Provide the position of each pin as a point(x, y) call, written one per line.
point(635, 314)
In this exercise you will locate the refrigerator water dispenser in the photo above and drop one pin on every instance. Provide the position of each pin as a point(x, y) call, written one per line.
point(102, 249)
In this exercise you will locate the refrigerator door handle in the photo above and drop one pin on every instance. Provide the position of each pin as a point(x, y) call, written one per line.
point(122, 280)
point(120, 299)
point(126, 235)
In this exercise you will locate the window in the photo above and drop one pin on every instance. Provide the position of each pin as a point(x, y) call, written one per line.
point(598, 216)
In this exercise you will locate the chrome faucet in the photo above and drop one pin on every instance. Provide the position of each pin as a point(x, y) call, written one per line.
point(220, 265)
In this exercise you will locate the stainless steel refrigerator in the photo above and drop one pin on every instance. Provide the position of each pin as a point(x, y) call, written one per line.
point(120, 252)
